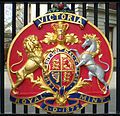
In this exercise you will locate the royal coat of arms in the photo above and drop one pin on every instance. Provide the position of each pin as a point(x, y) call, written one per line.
point(60, 62)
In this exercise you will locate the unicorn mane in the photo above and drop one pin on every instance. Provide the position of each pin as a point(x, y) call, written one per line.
point(94, 38)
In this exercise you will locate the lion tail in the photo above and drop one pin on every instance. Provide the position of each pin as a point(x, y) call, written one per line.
point(19, 54)
point(108, 67)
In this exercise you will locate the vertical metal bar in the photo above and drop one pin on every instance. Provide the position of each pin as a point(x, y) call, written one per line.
point(84, 9)
point(37, 9)
point(2, 57)
point(83, 111)
point(25, 23)
point(107, 35)
point(49, 6)
point(118, 61)
point(107, 20)
point(73, 7)
point(96, 14)
point(25, 13)
point(25, 109)
point(13, 35)
point(37, 111)
point(13, 20)
point(96, 23)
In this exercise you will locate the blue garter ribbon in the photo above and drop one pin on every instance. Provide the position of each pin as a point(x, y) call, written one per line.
point(71, 100)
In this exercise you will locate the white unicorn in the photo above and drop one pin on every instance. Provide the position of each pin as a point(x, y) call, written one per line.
point(87, 59)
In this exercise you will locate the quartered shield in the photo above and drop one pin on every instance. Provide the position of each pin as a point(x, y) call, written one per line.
point(60, 63)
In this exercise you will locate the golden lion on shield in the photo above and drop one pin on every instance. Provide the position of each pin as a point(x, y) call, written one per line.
point(35, 60)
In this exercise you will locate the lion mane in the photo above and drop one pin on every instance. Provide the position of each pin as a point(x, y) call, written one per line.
point(32, 46)
point(35, 59)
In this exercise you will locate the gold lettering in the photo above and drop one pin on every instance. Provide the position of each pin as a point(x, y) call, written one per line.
point(74, 18)
point(88, 99)
point(46, 108)
point(41, 20)
point(94, 100)
point(17, 100)
point(69, 17)
point(30, 100)
point(36, 99)
point(63, 16)
point(57, 15)
point(79, 20)
point(46, 18)
point(54, 109)
point(83, 97)
point(51, 17)
point(23, 101)
point(101, 99)
point(67, 109)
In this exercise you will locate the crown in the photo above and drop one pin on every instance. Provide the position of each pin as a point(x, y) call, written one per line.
point(90, 36)
point(60, 25)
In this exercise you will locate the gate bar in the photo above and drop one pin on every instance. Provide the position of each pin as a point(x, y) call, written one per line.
point(73, 7)
point(49, 6)
point(13, 35)
point(84, 9)
point(37, 9)
point(118, 61)
point(95, 23)
point(106, 105)
point(2, 57)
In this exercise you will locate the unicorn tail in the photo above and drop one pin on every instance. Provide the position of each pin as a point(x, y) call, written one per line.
point(108, 67)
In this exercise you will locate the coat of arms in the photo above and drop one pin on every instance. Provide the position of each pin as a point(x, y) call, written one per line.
point(60, 62)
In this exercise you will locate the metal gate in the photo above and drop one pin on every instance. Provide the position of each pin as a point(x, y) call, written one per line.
point(93, 108)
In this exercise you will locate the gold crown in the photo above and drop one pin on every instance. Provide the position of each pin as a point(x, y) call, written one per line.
point(60, 25)
point(90, 36)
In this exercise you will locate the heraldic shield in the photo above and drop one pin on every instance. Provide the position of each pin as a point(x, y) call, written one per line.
point(60, 63)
